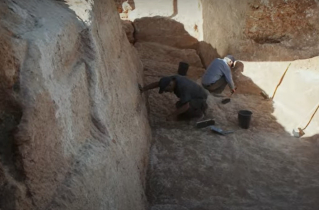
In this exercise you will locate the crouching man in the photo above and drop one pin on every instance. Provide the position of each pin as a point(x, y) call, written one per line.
point(192, 97)
point(218, 75)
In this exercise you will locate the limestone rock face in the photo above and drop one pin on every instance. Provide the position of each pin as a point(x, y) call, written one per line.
point(257, 30)
point(72, 135)
point(288, 22)
point(281, 30)
point(164, 31)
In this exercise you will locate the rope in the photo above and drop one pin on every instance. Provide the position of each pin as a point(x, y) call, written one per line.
point(280, 81)
point(311, 117)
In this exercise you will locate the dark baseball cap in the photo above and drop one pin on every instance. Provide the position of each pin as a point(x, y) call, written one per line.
point(163, 83)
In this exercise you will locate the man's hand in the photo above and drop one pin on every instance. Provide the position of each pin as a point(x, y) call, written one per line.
point(171, 117)
point(233, 90)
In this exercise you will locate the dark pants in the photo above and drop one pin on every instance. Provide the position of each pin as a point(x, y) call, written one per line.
point(217, 87)
point(197, 108)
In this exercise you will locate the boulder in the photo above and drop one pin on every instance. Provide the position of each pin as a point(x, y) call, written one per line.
point(161, 60)
point(165, 31)
point(159, 52)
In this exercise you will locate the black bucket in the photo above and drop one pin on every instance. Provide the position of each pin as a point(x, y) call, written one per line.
point(244, 117)
point(182, 68)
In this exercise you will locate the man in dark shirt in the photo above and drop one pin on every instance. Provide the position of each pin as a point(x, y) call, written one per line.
point(192, 103)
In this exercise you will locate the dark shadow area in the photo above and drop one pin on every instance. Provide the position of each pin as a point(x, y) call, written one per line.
point(10, 117)
point(164, 31)
point(11, 164)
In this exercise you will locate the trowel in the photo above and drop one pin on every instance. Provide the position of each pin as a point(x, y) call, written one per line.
point(265, 95)
point(227, 100)
point(220, 131)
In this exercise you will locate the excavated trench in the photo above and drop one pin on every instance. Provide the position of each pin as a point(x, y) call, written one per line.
point(77, 134)
point(264, 167)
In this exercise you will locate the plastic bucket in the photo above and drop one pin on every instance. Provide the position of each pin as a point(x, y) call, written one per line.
point(182, 68)
point(244, 117)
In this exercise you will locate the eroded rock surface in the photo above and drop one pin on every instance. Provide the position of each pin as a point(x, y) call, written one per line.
point(259, 30)
point(74, 128)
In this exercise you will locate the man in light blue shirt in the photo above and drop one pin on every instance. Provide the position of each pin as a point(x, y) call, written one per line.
point(218, 75)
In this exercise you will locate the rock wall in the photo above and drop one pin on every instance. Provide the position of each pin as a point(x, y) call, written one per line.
point(164, 31)
point(223, 23)
point(263, 30)
point(73, 125)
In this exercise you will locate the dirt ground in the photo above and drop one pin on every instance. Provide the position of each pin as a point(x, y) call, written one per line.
point(259, 168)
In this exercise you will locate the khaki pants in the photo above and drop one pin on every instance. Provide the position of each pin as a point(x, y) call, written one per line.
point(217, 87)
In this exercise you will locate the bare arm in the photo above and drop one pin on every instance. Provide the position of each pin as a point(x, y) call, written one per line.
point(178, 111)
point(148, 87)
point(229, 80)
point(228, 77)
